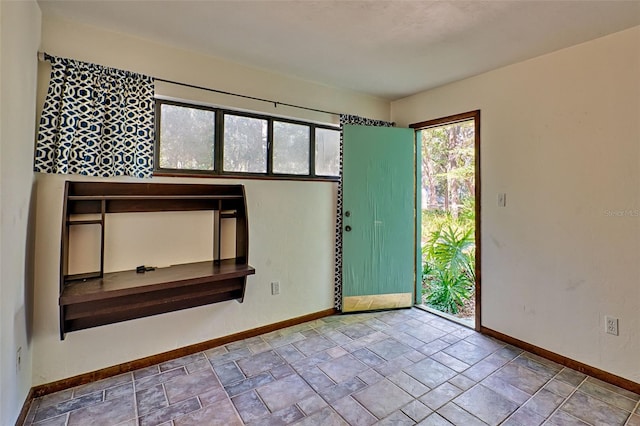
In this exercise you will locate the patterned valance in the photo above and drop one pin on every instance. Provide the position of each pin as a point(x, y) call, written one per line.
point(96, 121)
point(362, 121)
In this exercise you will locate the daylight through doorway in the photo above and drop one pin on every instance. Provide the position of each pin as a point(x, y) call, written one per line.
point(448, 196)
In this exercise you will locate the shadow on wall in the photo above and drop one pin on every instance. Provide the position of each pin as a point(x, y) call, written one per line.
point(29, 262)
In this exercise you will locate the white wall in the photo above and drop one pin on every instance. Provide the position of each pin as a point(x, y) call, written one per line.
point(20, 37)
point(291, 224)
point(561, 136)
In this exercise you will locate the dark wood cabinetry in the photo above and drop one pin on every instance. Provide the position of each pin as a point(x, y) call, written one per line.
point(98, 298)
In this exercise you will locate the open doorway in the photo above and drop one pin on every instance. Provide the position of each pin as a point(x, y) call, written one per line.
point(449, 204)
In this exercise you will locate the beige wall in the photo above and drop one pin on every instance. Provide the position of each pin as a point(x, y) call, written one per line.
point(19, 38)
point(291, 224)
point(561, 136)
point(68, 39)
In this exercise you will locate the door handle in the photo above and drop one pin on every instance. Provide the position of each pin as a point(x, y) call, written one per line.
point(347, 228)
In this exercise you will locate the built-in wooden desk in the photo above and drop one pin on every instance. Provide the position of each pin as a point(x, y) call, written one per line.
point(98, 298)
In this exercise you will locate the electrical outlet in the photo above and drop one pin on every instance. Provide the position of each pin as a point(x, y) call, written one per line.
point(611, 325)
point(275, 288)
point(19, 358)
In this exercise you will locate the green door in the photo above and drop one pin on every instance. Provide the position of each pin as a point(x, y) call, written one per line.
point(378, 230)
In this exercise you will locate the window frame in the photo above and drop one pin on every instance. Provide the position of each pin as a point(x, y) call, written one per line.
point(157, 130)
point(311, 163)
point(218, 146)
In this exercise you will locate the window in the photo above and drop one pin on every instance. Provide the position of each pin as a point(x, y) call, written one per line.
point(197, 139)
point(186, 138)
point(245, 144)
point(327, 152)
point(290, 148)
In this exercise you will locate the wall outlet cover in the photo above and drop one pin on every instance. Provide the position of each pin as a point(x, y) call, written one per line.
point(611, 325)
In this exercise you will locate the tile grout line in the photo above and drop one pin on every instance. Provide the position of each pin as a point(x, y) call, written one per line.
point(358, 403)
point(388, 333)
point(462, 408)
point(166, 398)
point(512, 360)
point(135, 399)
point(540, 390)
point(337, 344)
point(612, 391)
point(35, 411)
point(349, 395)
point(475, 385)
point(586, 379)
point(565, 401)
point(637, 406)
point(235, 410)
point(68, 413)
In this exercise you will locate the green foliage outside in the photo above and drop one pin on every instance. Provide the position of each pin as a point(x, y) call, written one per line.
point(448, 260)
point(448, 216)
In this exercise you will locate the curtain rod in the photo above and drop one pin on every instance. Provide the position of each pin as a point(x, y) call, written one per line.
point(43, 56)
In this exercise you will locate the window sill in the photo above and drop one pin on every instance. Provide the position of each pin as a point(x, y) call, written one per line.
point(160, 173)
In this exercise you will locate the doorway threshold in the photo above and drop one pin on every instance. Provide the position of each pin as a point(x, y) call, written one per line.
point(467, 322)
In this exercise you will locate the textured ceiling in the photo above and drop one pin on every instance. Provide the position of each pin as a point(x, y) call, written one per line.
point(385, 48)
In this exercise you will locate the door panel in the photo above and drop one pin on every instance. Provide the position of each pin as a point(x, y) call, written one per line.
point(378, 218)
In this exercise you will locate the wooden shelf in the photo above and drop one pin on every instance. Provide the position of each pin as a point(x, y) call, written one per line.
point(98, 298)
point(153, 197)
point(85, 310)
point(121, 296)
point(116, 284)
point(85, 222)
point(83, 276)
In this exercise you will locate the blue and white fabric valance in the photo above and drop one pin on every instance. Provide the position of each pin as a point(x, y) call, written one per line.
point(96, 121)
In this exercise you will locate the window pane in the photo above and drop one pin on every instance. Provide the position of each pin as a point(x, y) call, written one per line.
point(290, 148)
point(327, 152)
point(186, 138)
point(245, 144)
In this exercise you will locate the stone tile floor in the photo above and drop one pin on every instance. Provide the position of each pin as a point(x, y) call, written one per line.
point(389, 368)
